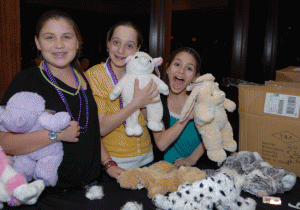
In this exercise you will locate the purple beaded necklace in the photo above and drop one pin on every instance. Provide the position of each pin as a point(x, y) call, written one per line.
point(52, 79)
point(115, 81)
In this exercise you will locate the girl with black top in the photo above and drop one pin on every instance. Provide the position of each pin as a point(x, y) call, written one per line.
point(64, 87)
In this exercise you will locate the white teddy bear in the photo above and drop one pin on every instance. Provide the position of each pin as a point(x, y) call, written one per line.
point(209, 103)
point(220, 192)
point(140, 66)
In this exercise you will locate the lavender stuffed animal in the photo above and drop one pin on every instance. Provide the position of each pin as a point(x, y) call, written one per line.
point(25, 112)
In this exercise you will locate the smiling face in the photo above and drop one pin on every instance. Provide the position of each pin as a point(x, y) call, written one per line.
point(181, 72)
point(58, 43)
point(122, 44)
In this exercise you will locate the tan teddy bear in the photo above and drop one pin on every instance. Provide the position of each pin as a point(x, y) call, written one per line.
point(159, 178)
point(209, 103)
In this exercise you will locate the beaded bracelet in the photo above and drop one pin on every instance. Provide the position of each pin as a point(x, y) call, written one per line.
point(110, 164)
point(109, 158)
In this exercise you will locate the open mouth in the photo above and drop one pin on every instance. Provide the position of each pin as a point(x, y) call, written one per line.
point(120, 58)
point(178, 82)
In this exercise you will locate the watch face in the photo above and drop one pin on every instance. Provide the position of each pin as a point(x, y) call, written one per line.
point(53, 135)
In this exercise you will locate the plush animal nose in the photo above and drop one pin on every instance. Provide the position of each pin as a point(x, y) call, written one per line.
point(144, 61)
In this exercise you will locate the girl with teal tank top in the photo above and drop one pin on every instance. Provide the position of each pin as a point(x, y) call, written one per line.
point(180, 141)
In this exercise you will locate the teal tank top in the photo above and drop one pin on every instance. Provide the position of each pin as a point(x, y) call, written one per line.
point(185, 144)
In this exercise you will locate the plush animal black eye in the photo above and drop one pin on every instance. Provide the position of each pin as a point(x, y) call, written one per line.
point(136, 57)
point(150, 61)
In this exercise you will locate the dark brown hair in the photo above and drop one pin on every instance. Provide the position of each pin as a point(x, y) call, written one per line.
point(129, 24)
point(57, 14)
point(176, 52)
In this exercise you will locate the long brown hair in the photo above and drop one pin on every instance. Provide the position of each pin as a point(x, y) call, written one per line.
point(57, 14)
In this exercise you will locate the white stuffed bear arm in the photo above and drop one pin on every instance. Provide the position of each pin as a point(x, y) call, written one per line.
point(56, 122)
point(229, 105)
point(118, 88)
point(161, 86)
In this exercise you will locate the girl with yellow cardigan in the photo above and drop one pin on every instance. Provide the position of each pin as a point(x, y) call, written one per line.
point(119, 151)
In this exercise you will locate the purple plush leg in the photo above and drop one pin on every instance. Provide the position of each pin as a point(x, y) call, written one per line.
point(25, 166)
point(48, 160)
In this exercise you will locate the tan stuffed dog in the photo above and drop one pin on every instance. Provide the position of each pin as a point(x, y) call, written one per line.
point(160, 178)
point(209, 104)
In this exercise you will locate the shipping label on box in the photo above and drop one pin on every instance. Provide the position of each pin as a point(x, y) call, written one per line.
point(270, 124)
point(280, 104)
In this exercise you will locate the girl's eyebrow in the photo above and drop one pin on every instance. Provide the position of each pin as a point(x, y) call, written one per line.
point(50, 33)
point(177, 59)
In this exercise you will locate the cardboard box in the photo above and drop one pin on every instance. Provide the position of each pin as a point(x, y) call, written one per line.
point(289, 74)
point(270, 124)
point(283, 84)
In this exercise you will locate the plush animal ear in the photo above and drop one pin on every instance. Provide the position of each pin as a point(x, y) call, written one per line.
point(188, 106)
point(200, 80)
point(128, 59)
point(158, 61)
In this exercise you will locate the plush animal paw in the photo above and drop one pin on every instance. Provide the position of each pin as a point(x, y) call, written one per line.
point(288, 181)
point(164, 89)
point(229, 144)
point(242, 204)
point(29, 193)
point(217, 155)
point(134, 131)
point(113, 96)
point(155, 126)
point(56, 122)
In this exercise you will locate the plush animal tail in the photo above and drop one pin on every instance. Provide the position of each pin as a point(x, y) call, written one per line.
point(10, 178)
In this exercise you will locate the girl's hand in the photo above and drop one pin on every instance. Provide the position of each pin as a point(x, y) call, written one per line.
point(146, 95)
point(115, 171)
point(187, 161)
point(70, 133)
point(190, 116)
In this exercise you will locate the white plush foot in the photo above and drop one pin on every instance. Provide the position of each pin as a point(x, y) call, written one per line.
point(134, 131)
point(249, 204)
point(289, 181)
point(40, 186)
point(154, 126)
point(29, 193)
point(159, 201)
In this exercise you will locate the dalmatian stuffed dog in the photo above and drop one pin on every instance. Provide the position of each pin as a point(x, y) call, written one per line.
point(219, 192)
point(140, 66)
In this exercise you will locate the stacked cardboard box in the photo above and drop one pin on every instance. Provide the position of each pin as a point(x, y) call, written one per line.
point(270, 123)
point(289, 74)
